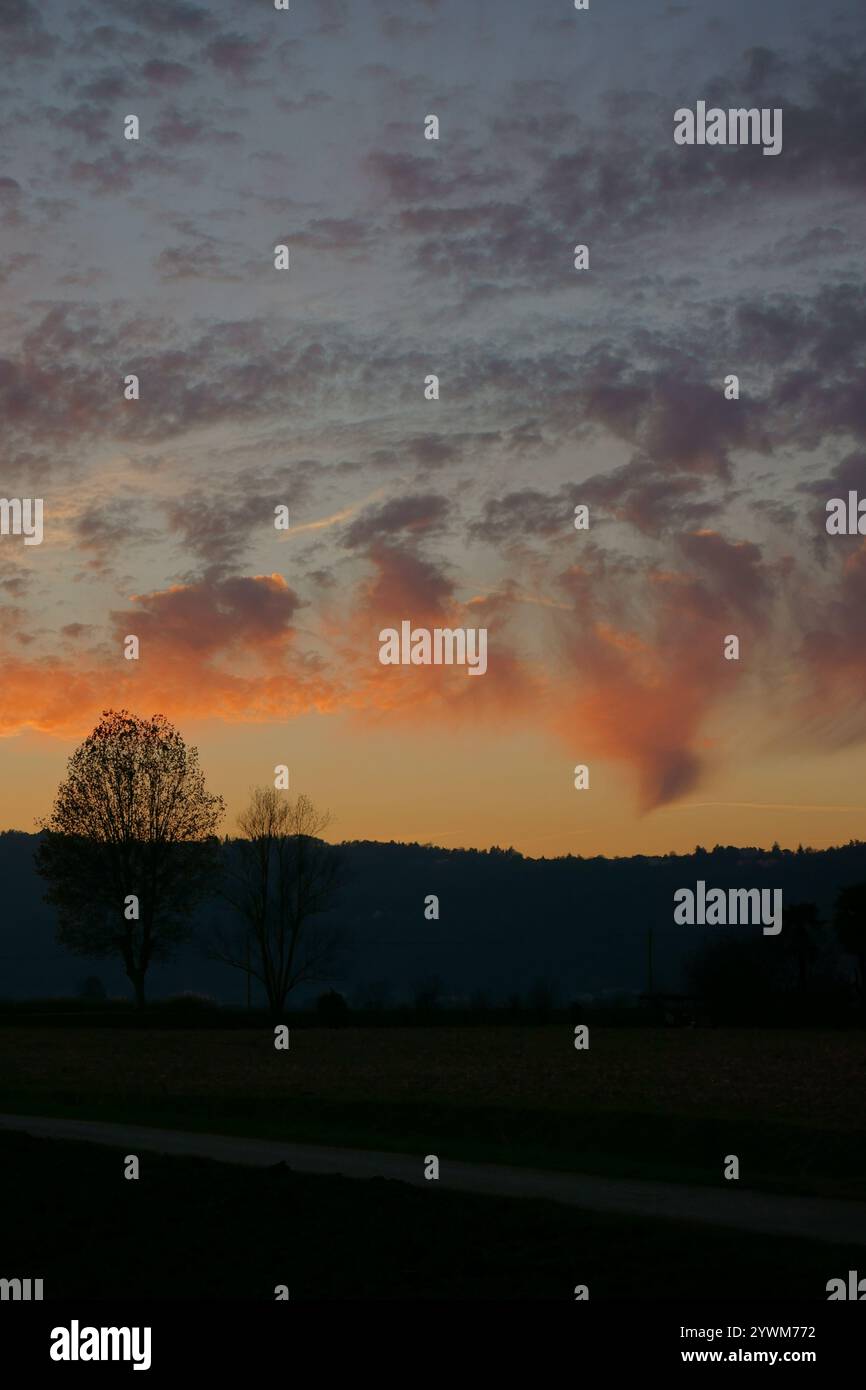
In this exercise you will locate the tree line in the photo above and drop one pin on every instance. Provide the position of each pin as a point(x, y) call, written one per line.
point(131, 849)
point(743, 976)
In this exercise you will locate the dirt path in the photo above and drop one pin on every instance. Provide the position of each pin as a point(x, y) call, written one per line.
point(811, 1218)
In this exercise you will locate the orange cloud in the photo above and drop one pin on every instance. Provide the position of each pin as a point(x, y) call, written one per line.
point(627, 665)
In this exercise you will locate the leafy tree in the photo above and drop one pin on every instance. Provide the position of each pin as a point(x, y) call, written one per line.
point(282, 877)
point(132, 819)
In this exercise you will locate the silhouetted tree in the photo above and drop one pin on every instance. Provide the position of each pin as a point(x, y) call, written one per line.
point(375, 994)
point(332, 1009)
point(92, 988)
point(284, 876)
point(540, 996)
point(849, 919)
point(736, 976)
point(800, 927)
point(131, 819)
point(427, 992)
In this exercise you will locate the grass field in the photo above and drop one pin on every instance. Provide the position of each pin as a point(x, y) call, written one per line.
point(190, 1228)
point(640, 1102)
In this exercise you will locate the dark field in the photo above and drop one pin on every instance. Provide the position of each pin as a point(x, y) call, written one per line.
point(192, 1228)
point(646, 1102)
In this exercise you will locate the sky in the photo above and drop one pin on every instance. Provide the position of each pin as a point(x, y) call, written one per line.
point(559, 387)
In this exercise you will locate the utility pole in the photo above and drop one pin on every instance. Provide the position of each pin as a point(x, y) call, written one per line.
point(649, 960)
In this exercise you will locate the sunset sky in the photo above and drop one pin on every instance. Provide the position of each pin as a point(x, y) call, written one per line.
point(558, 387)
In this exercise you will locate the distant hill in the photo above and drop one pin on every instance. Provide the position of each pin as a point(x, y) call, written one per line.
point(506, 922)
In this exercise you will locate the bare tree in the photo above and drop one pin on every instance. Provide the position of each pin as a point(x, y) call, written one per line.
point(132, 819)
point(849, 919)
point(284, 876)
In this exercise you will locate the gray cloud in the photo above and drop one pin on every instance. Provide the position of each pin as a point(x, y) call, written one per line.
point(420, 514)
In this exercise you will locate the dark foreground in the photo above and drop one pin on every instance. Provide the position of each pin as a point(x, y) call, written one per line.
point(191, 1228)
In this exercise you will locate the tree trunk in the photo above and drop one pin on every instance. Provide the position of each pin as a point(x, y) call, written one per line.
point(137, 978)
point(277, 1003)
